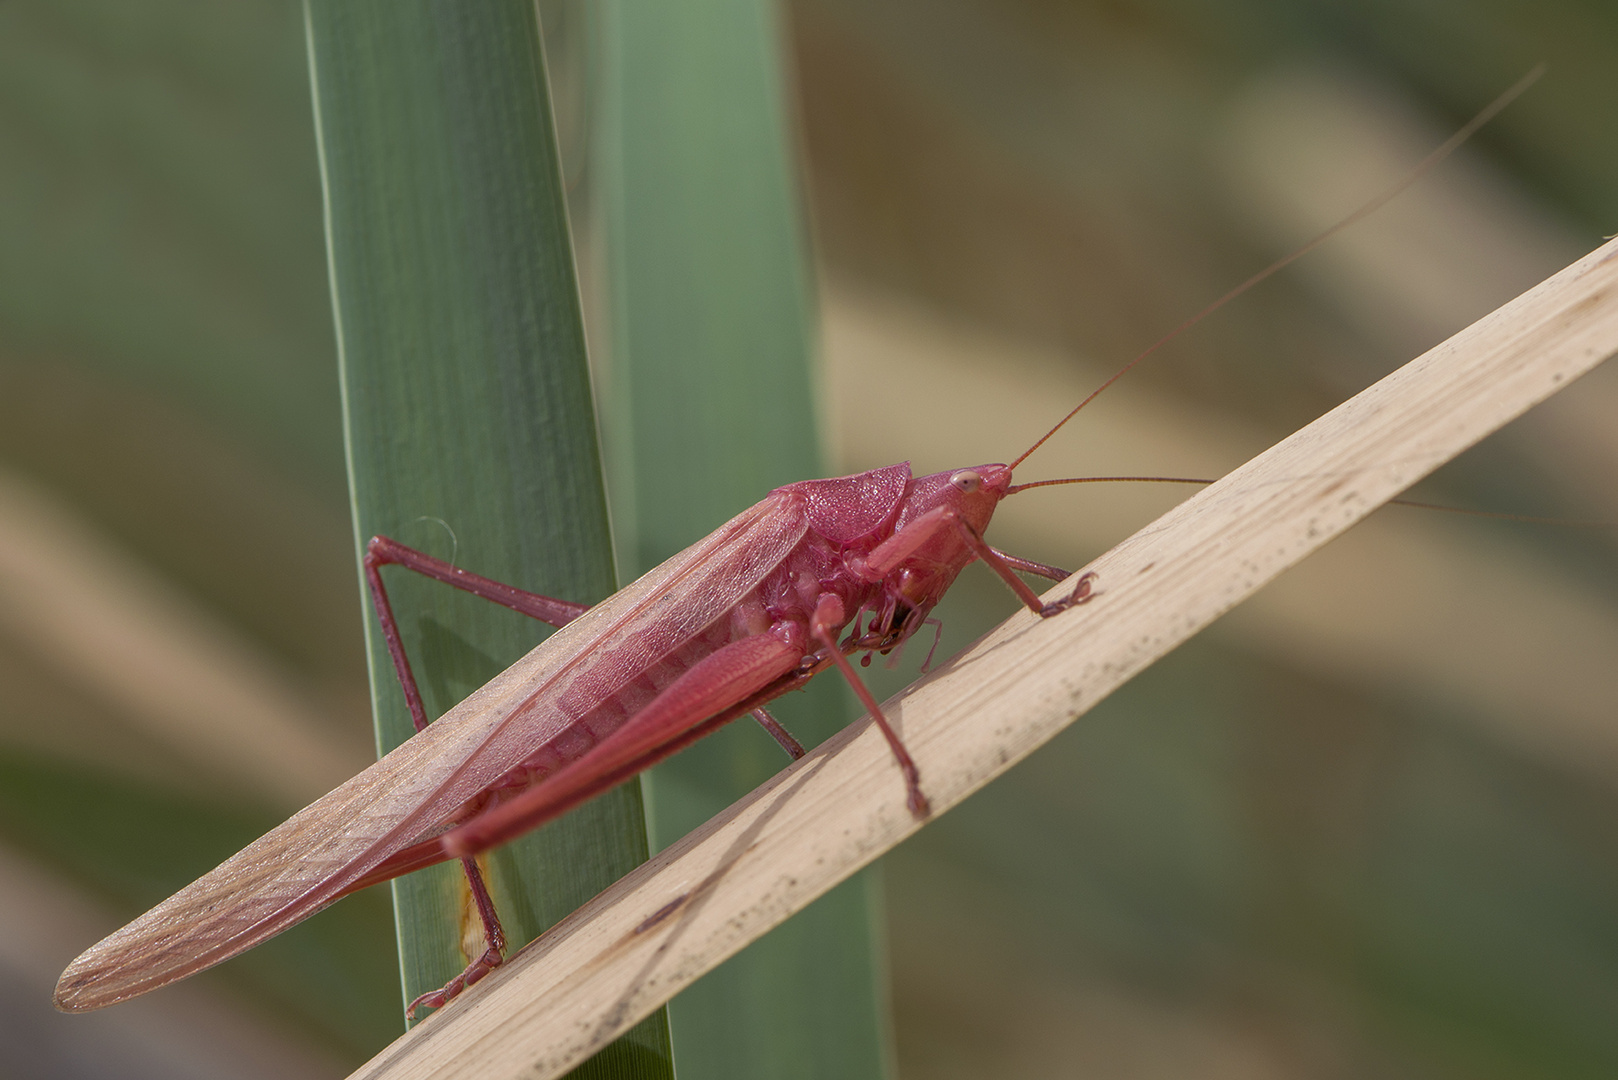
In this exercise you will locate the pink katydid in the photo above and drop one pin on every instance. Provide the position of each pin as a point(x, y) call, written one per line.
point(817, 571)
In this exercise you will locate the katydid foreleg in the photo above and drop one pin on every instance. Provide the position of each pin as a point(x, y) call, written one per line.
point(943, 520)
point(1029, 566)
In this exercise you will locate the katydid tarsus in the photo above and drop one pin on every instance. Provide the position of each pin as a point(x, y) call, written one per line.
point(814, 573)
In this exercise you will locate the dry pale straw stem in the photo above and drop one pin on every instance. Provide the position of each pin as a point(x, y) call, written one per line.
point(769, 855)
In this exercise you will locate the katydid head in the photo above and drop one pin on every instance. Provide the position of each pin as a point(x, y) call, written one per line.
point(931, 549)
point(972, 493)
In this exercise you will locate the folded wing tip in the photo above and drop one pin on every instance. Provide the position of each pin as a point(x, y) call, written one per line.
point(80, 989)
point(104, 975)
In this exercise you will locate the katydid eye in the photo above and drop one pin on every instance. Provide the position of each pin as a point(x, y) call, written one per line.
point(967, 480)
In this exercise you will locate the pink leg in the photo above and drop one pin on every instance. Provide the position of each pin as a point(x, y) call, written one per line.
point(1029, 566)
point(938, 635)
point(886, 556)
point(828, 618)
point(781, 735)
point(493, 956)
point(378, 553)
point(1003, 566)
point(382, 551)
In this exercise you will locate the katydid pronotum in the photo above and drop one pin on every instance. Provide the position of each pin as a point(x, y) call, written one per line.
point(817, 571)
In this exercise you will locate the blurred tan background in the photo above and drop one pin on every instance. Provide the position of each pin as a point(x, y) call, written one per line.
point(1365, 827)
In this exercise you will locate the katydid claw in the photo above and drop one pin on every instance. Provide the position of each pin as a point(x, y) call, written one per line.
point(437, 999)
point(1081, 594)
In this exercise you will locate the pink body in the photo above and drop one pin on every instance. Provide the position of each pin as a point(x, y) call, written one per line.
point(739, 618)
point(846, 519)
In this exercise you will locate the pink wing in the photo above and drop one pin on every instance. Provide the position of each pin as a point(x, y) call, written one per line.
point(306, 862)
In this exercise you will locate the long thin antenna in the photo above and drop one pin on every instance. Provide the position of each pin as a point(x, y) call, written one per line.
point(1497, 515)
point(1014, 488)
point(1425, 166)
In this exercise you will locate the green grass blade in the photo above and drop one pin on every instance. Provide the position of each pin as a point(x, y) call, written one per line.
point(711, 327)
point(470, 427)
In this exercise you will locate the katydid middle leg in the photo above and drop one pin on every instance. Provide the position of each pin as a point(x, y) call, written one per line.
point(884, 559)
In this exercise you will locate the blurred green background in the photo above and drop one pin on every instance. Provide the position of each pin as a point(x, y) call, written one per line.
point(1364, 827)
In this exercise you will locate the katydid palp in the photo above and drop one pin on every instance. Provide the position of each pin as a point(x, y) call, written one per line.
point(817, 571)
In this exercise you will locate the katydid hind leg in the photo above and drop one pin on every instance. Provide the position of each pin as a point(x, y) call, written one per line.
point(430, 852)
point(383, 551)
point(380, 552)
point(494, 949)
